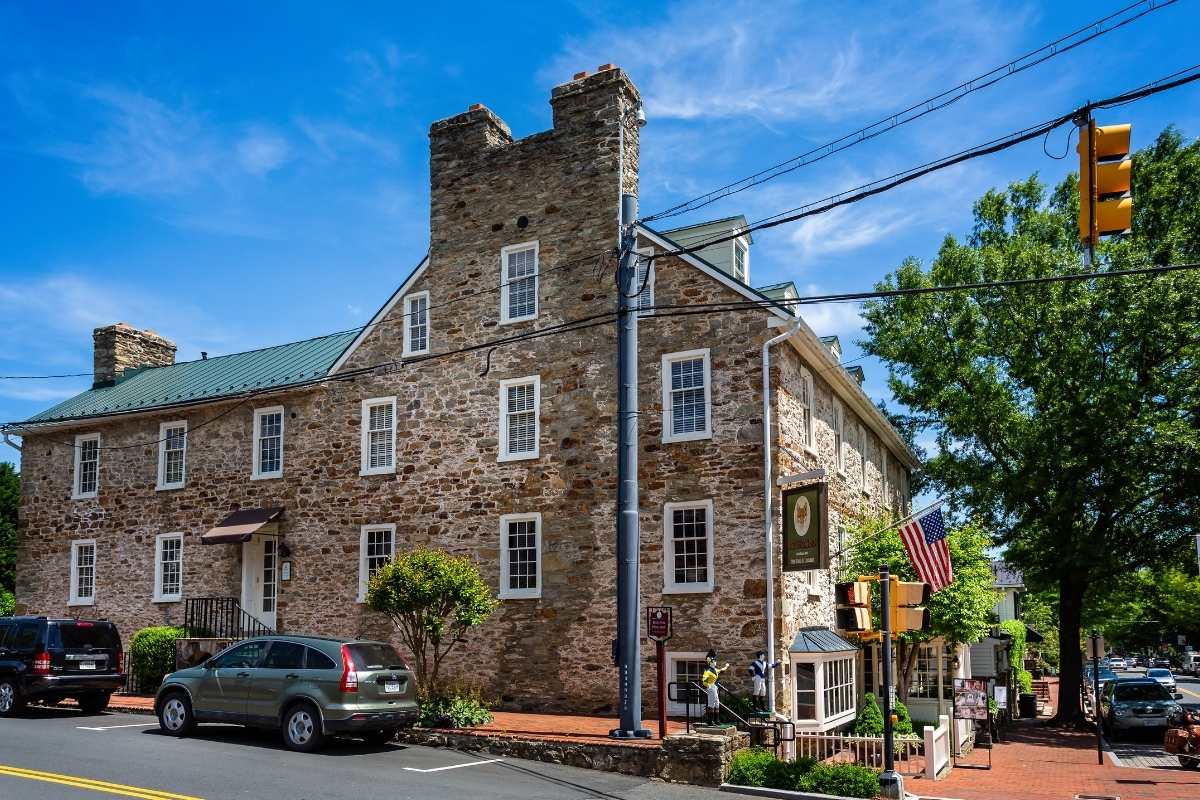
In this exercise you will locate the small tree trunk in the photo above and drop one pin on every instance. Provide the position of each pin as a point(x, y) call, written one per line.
point(1071, 589)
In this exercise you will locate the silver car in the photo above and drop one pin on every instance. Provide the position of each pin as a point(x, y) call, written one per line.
point(1163, 676)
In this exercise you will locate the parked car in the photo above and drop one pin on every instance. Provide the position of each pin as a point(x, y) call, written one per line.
point(1161, 662)
point(306, 687)
point(1135, 703)
point(46, 660)
point(1117, 662)
point(1163, 676)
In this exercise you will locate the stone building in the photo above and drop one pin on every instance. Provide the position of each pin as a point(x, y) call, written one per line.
point(336, 452)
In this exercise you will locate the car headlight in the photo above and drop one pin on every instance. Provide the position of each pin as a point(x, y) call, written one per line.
point(1121, 711)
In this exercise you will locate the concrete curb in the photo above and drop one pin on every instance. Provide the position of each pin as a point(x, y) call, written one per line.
point(783, 794)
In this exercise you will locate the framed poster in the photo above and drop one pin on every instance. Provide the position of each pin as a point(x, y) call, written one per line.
point(970, 698)
point(805, 526)
point(1001, 695)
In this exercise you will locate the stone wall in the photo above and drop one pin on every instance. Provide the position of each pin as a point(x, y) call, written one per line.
point(559, 188)
point(122, 347)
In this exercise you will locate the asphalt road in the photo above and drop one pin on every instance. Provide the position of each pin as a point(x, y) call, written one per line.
point(61, 754)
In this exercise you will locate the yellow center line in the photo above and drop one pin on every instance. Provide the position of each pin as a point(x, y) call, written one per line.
point(93, 785)
point(1188, 691)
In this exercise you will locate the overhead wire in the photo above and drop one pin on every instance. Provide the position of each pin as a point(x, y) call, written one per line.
point(1064, 44)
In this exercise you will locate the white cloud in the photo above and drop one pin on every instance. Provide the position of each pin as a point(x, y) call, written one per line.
point(845, 229)
point(833, 319)
point(334, 138)
point(262, 151)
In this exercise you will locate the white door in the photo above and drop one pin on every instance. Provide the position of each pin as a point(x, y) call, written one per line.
point(260, 578)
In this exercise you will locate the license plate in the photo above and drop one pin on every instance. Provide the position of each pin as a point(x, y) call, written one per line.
point(87, 664)
point(391, 687)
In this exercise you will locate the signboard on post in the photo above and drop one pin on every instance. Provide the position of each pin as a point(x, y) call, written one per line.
point(970, 698)
point(658, 623)
point(1001, 695)
point(805, 528)
point(1096, 646)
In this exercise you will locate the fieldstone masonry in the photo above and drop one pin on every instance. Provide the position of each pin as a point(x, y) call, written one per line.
point(122, 347)
point(559, 188)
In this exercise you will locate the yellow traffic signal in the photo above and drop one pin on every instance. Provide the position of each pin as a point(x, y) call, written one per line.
point(853, 606)
point(907, 599)
point(1108, 158)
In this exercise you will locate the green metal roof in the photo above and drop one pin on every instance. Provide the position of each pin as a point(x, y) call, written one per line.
point(820, 640)
point(206, 379)
point(780, 291)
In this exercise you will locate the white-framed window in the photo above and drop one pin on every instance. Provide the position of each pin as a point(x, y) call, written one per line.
point(839, 437)
point(884, 487)
point(378, 436)
point(172, 455)
point(520, 409)
point(87, 466)
point(839, 688)
point(416, 324)
point(864, 442)
point(519, 282)
point(808, 402)
point(644, 280)
point(376, 546)
point(688, 547)
point(168, 568)
point(83, 573)
point(741, 260)
point(687, 396)
point(520, 556)
point(685, 668)
point(268, 443)
point(825, 689)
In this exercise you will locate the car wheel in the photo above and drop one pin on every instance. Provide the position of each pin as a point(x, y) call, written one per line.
point(302, 728)
point(1189, 762)
point(175, 716)
point(10, 698)
point(380, 737)
point(93, 703)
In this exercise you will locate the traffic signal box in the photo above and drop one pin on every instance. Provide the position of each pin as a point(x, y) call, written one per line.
point(853, 606)
point(907, 600)
point(1109, 158)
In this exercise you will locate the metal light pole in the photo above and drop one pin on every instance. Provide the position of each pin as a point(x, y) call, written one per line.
point(628, 530)
point(1094, 643)
point(891, 784)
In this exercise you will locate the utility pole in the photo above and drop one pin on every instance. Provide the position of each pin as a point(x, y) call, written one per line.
point(1090, 251)
point(629, 669)
point(891, 784)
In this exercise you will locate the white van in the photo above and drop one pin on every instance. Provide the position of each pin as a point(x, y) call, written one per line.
point(1191, 663)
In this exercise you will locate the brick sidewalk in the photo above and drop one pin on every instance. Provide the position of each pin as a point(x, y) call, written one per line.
point(1037, 762)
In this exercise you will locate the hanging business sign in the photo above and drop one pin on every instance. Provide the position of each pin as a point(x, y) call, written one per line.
point(658, 623)
point(805, 526)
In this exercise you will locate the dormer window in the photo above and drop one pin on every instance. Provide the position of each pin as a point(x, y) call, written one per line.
point(741, 260)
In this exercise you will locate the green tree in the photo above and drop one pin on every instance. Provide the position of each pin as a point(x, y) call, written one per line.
point(10, 501)
point(433, 599)
point(960, 613)
point(1066, 414)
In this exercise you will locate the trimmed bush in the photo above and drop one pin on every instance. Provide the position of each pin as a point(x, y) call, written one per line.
point(903, 723)
point(843, 780)
point(752, 767)
point(460, 708)
point(152, 654)
point(8, 602)
point(869, 721)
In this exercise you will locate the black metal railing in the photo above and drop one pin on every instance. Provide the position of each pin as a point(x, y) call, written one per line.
point(763, 732)
point(221, 618)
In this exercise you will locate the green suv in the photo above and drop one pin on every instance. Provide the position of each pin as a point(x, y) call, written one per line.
point(309, 688)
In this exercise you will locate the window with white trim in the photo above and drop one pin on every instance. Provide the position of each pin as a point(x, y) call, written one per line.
point(83, 573)
point(688, 547)
point(863, 443)
point(839, 437)
point(268, 443)
point(519, 282)
point(87, 466)
point(741, 260)
point(644, 278)
point(839, 686)
point(172, 455)
point(883, 475)
point(168, 567)
point(520, 428)
point(416, 324)
point(687, 396)
point(520, 556)
point(685, 669)
point(825, 689)
point(378, 436)
point(808, 409)
point(376, 546)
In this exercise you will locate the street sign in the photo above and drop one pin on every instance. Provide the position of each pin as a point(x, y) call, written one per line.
point(805, 523)
point(658, 623)
point(1096, 646)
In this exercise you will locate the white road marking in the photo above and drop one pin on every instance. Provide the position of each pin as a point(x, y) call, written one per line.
point(456, 766)
point(114, 727)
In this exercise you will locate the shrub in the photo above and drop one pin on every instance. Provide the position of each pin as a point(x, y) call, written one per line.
point(757, 766)
point(869, 721)
point(843, 780)
point(457, 708)
point(152, 654)
point(8, 602)
point(903, 722)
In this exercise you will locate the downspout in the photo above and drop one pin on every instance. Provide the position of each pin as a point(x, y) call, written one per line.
point(8, 441)
point(768, 502)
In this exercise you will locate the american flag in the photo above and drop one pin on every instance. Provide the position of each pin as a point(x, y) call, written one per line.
point(924, 538)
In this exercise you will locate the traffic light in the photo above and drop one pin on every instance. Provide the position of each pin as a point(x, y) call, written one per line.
point(1109, 157)
point(906, 600)
point(853, 606)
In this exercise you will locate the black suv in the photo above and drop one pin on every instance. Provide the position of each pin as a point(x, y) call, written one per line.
point(48, 660)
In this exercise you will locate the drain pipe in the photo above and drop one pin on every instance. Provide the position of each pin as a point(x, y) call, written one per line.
point(8, 441)
point(768, 503)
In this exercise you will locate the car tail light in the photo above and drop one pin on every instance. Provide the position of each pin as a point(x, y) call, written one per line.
point(120, 661)
point(41, 664)
point(349, 676)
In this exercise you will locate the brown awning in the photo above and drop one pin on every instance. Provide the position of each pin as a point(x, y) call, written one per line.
point(240, 525)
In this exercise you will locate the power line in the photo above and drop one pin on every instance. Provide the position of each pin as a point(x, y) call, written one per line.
point(897, 179)
point(914, 112)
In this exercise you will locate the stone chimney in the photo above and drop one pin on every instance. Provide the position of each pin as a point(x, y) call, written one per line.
point(122, 348)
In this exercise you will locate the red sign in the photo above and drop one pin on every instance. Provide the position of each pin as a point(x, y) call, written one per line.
point(658, 623)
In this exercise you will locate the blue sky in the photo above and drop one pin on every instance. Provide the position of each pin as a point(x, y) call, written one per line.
point(239, 175)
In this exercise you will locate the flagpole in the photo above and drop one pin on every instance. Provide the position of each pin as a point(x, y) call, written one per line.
point(897, 524)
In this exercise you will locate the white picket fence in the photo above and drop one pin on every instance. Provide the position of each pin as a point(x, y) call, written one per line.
point(865, 750)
